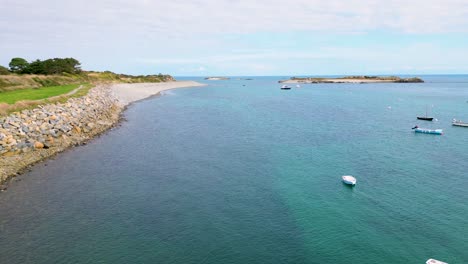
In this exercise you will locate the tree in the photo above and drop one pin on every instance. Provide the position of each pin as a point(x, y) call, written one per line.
point(74, 64)
point(59, 66)
point(47, 67)
point(18, 65)
point(35, 67)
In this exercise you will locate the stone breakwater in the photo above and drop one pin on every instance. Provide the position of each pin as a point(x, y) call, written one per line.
point(32, 135)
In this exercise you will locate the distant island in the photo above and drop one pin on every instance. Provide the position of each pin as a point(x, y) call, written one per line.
point(216, 78)
point(353, 79)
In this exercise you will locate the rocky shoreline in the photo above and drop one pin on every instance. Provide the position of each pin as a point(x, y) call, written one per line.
point(31, 136)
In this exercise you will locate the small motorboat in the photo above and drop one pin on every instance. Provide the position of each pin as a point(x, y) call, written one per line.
point(285, 87)
point(459, 123)
point(428, 131)
point(348, 179)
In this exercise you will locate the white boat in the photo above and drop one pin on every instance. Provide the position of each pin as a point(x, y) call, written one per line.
point(348, 179)
point(459, 123)
point(435, 261)
point(298, 86)
point(285, 87)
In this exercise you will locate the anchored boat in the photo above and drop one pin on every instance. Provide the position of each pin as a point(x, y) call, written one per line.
point(459, 123)
point(348, 179)
point(285, 87)
point(428, 131)
point(425, 117)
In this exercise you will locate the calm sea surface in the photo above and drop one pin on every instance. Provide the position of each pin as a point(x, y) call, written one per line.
point(229, 173)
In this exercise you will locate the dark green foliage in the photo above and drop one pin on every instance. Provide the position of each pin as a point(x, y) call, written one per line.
point(59, 66)
point(18, 64)
point(35, 67)
point(4, 70)
point(47, 67)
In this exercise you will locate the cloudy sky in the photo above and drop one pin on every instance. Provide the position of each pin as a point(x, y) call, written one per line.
point(241, 37)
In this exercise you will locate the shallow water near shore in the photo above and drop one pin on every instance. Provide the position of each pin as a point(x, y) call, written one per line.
point(229, 173)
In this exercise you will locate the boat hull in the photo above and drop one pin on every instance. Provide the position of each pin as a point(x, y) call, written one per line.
point(425, 118)
point(349, 180)
point(429, 131)
point(460, 124)
point(435, 261)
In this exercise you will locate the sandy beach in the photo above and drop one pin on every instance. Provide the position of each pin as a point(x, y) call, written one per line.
point(127, 93)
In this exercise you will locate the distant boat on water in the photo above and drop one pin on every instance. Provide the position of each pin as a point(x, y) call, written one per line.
point(285, 87)
point(348, 179)
point(459, 123)
point(426, 118)
point(428, 131)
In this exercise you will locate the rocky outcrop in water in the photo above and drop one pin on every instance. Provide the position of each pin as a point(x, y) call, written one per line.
point(217, 78)
point(29, 136)
point(354, 79)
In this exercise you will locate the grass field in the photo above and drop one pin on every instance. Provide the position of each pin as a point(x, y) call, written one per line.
point(11, 97)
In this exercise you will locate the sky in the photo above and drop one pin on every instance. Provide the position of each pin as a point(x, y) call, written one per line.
point(241, 37)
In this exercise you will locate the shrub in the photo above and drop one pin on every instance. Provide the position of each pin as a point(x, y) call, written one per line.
point(4, 70)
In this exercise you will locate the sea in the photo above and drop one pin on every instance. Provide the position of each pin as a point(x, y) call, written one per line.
point(240, 171)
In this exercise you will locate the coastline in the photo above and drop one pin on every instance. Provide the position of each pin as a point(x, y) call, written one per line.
point(128, 93)
point(118, 97)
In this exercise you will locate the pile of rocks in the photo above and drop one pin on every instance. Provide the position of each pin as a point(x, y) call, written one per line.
point(57, 124)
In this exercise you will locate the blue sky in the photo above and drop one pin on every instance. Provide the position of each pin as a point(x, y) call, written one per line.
point(241, 37)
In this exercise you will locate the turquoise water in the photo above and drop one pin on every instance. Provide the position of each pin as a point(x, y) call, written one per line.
point(252, 174)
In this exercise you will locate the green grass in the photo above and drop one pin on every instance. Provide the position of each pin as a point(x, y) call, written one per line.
point(11, 97)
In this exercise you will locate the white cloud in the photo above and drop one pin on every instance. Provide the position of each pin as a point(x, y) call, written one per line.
point(112, 33)
point(181, 17)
